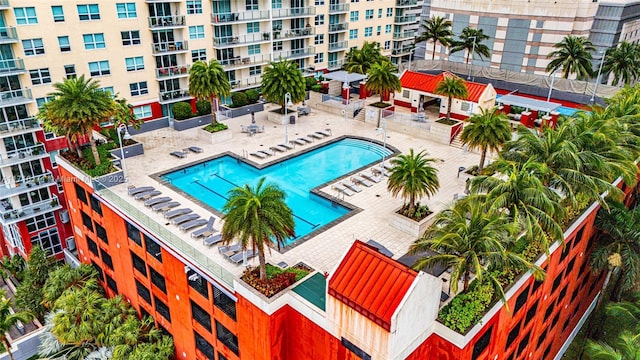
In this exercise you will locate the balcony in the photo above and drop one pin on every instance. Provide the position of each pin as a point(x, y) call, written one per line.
point(338, 46)
point(293, 12)
point(296, 53)
point(33, 152)
point(162, 1)
point(404, 19)
point(9, 215)
point(12, 67)
point(240, 62)
point(173, 71)
point(166, 22)
point(26, 184)
point(15, 97)
point(404, 35)
point(167, 97)
point(171, 47)
point(406, 3)
point(19, 126)
point(338, 8)
point(4, 5)
point(246, 83)
point(8, 35)
point(339, 27)
point(299, 32)
point(230, 41)
point(401, 51)
point(243, 16)
point(335, 64)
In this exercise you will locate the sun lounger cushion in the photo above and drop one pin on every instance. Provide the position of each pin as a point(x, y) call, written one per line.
point(155, 201)
point(177, 212)
point(362, 181)
point(146, 195)
point(286, 146)
point(239, 257)
point(141, 189)
point(212, 239)
point(184, 218)
point(343, 189)
point(191, 224)
point(165, 206)
point(352, 186)
point(259, 155)
point(179, 154)
point(195, 149)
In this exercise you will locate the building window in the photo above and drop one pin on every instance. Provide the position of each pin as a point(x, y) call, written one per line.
point(531, 312)
point(378, 28)
point(204, 346)
point(63, 42)
point(197, 55)
point(547, 314)
point(33, 47)
point(86, 221)
point(319, 39)
point(134, 63)
point(389, 12)
point(251, 4)
point(49, 241)
point(40, 222)
point(254, 49)
point(319, 2)
point(571, 265)
point(221, 357)
point(481, 344)
point(25, 15)
point(226, 337)
point(255, 70)
point(99, 68)
point(70, 71)
point(93, 247)
point(130, 37)
point(58, 13)
point(139, 88)
point(126, 10)
point(133, 233)
point(368, 31)
point(80, 193)
point(106, 259)
point(223, 302)
point(524, 342)
point(112, 284)
point(194, 7)
point(198, 283)
point(513, 334)
point(521, 300)
point(139, 264)
point(355, 1)
point(143, 292)
point(556, 282)
point(354, 15)
point(95, 205)
point(196, 32)
point(277, 46)
point(89, 12)
point(318, 58)
point(158, 280)
point(93, 41)
point(387, 44)
point(40, 76)
point(319, 19)
point(379, 13)
point(353, 34)
point(368, 15)
point(101, 233)
point(201, 316)
point(253, 27)
point(162, 308)
point(98, 270)
point(153, 248)
point(387, 29)
point(142, 112)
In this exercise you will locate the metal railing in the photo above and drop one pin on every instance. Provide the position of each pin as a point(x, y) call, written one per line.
point(169, 46)
point(406, 2)
point(402, 51)
point(10, 215)
point(4, 3)
point(335, 64)
point(24, 184)
point(11, 65)
point(404, 34)
point(166, 21)
point(251, 15)
point(171, 71)
point(296, 53)
point(404, 19)
point(19, 125)
point(288, 12)
point(338, 27)
point(245, 61)
point(305, 31)
point(338, 8)
point(337, 46)
point(419, 121)
point(246, 83)
point(13, 95)
point(21, 155)
point(173, 95)
point(238, 40)
point(8, 34)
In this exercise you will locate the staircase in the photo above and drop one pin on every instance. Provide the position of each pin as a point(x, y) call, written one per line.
point(457, 143)
point(360, 116)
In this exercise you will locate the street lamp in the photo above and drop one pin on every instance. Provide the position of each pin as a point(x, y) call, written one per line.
point(126, 136)
point(287, 103)
point(473, 49)
point(383, 130)
point(553, 77)
point(593, 96)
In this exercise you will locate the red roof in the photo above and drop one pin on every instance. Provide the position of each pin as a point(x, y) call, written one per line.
point(427, 83)
point(371, 283)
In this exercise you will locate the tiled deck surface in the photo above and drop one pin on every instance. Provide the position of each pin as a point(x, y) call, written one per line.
point(323, 251)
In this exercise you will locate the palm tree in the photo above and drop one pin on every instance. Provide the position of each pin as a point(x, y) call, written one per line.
point(452, 86)
point(486, 131)
point(280, 78)
point(627, 347)
point(360, 60)
point(413, 177)
point(258, 217)
point(436, 29)
point(573, 56)
point(208, 81)
point(471, 40)
point(382, 79)
point(623, 62)
point(8, 319)
point(78, 105)
point(66, 277)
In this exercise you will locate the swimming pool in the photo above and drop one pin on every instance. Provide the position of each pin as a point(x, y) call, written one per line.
point(211, 180)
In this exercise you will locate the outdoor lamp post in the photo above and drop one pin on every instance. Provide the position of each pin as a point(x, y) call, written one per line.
point(383, 130)
point(287, 103)
point(126, 136)
point(410, 56)
point(553, 77)
point(595, 88)
point(473, 49)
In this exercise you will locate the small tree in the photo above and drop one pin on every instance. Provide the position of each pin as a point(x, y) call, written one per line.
point(8, 319)
point(436, 29)
point(208, 81)
point(486, 131)
point(382, 78)
point(280, 78)
point(181, 111)
point(29, 295)
point(239, 99)
point(203, 107)
point(253, 96)
point(452, 87)
point(412, 177)
point(573, 55)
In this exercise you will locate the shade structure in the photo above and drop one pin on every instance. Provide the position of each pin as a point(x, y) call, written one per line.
point(528, 103)
point(344, 76)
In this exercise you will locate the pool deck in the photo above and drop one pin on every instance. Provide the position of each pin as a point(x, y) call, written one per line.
point(323, 251)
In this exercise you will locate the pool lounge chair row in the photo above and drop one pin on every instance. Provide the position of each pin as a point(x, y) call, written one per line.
point(235, 254)
point(350, 186)
point(183, 154)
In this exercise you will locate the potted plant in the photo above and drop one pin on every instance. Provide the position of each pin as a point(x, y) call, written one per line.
point(54, 202)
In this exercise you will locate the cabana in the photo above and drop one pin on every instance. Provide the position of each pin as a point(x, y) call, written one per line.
point(533, 107)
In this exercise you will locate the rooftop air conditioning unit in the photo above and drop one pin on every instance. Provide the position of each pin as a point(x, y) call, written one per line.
point(64, 216)
point(71, 243)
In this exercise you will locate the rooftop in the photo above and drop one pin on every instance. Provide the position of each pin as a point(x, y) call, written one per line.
point(428, 83)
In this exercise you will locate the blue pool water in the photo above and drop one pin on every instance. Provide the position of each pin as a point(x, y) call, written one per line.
point(210, 181)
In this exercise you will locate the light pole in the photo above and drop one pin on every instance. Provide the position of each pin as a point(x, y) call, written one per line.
point(553, 77)
point(473, 49)
point(126, 136)
point(410, 56)
point(384, 138)
point(287, 103)
point(595, 88)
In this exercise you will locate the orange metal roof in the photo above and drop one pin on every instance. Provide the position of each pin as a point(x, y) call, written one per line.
point(371, 283)
point(427, 83)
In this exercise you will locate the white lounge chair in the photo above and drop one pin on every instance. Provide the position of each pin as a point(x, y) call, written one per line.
point(155, 201)
point(325, 132)
point(178, 154)
point(351, 186)
point(195, 149)
point(371, 177)
point(286, 146)
point(299, 142)
point(305, 139)
point(343, 189)
point(380, 171)
point(184, 218)
point(192, 224)
point(212, 239)
point(147, 195)
point(166, 206)
point(259, 154)
point(322, 134)
point(278, 148)
point(140, 189)
point(357, 179)
point(205, 231)
point(267, 152)
point(316, 136)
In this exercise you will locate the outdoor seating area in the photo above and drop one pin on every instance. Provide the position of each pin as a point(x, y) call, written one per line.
point(252, 129)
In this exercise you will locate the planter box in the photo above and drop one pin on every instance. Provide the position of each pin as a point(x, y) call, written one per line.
point(443, 133)
point(281, 119)
point(373, 114)
point(150, 125)
point(191, 123)
point(129, 151)
point(216, 137)
point(415, 228)
point(108, 180)
point(244, 110)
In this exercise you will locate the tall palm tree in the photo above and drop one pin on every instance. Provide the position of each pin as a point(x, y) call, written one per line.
point(66, 277)
point(471, 40)
point(623, 62)
point(436, 29)
point(488, 130)
point(8, 319)
point(208, 81)
point(413, 177)
point(573, 55)
point(259, 217)
point(78, 105)
point(360, 60)
point(627, 347)
point(382, 79)
point(452, 86)
point(280, 78)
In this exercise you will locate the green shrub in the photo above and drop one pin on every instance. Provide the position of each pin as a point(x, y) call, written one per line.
point(316, 87)
point(181, 111)
point(203, 107)
point(310, 81)
point(253, 96)
point(215, 128)
point(466, 309)
point(239, 99)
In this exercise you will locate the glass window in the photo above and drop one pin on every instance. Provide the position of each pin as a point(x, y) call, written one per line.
point(253, 27)
point(106, 258)
point(88, 12)
point(94, 41)
point(96, 205)
point(319, 19)
point(319, 39)
point(58, 13)
point(353, 34)
point(226, 337)
point(126, 10)
point(112, 284)
point(63, 41)
point(153, 248)
point(133, 233)
point(204, 346)
point(198, 283)
point(139, 264)
point(162, 308)
point(40, 222)
point(387, 29)
point(196, 32)
point(143, 292)
point(70, 71)
point(33, 47)
point(354, 15)
point(130, 38)
point(368, 31)
point(378, 29)
point(481, 344)
point(255, 70)
point(93, 247)
point(379, 13)
point(86, 220)
point(99, 68)
point(389, 12)
point(277, 46)
point(251, 4)
point(139, 88)
point(25, 15)
point(254, 49)
point(223, 302)
point(194, 7)
point(387, 44)
point(200, 54)
point(201, 316)
point(318, 58)
point(158, 280)
point(368, 14)
point(142, 112)
point(49, 241)
point(134, 63)
point(40, 76)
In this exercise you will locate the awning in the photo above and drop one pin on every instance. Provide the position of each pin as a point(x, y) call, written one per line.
point(344, 76)
point(528, 103)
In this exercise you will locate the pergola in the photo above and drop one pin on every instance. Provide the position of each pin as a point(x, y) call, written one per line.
point(528, 103)
point(344, 76)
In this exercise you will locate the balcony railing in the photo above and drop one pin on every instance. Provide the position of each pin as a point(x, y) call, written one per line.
point(227, 41)
point(4, 5)
point(296, 53)
point(305, 31)
point(167, 47)
point(22, 155)
point(12, 66)
point(292, 12)
point(246, 83)
point(404, 19)
point(19, 126)
point(401, 51)
point(9, 215)
point(173, 71)
point(338, 27)
point(337, 46)
point(243, 16)
point(407, 34)
point(238, 61)
point(19, 96)
point(166, 21)
point(8, 35)
point(23, 185)
point(406, 3)
point(335, 64)
point(173, 96)
point(338, 8)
